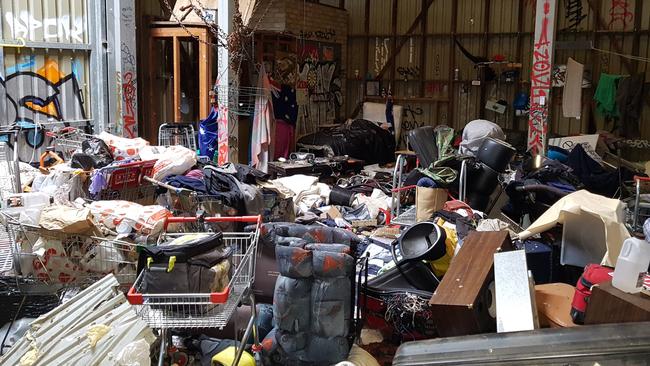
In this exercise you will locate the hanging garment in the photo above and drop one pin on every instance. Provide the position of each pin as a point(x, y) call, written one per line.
point(208, 134)
point(284, 135)
point(629, 98)
point(605, 95)
point(390, 119)
point(263, 115)
point(285, 105)
point(572, 96)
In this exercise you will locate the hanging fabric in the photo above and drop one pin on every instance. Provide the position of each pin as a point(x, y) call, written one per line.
point(263, 116)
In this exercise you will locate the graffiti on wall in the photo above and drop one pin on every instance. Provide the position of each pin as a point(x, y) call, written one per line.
point(324, 96)
point(620, 12)
point(128, 85)
point(64, 28)
point(411, 119)
point(541, 77)
point(574, 14)
point(47, 92)
point(408, 72)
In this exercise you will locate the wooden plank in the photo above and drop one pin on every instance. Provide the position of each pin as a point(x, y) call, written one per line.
point(204, 78)
point(391, 85)
point(617, 47)
point(177, 79)
point(486, 40)
point(451, 117)
point(638, 11)
point(423, 49)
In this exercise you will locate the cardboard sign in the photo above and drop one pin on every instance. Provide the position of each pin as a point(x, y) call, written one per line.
point(569, 142)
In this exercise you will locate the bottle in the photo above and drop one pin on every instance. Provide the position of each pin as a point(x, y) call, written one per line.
point(631, 265)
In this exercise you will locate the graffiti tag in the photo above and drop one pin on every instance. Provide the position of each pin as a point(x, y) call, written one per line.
point(408, 72)
point(620, 12)
point(46, 92)
point(66, 27)
point(410, 121)
point(574, 14)
point(541, 77)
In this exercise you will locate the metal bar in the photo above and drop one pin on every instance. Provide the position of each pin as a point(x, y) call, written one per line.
point(98, 65)
point(638, 11)
point(54, 45)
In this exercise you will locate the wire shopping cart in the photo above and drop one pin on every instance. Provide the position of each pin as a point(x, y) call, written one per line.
point(127, 182)
point(69, 140)
point(9, 183)
point(185, 202)
point(638, 206)
point(172, 134)
point(46, 261)
point(166, 311)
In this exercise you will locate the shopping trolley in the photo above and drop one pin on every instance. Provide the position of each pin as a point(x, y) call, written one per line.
point(127, 182)
point(68, 141)
point(9, 183)
point(637, 207)
point(172, 134)
point(46, 261)
point(205, 310)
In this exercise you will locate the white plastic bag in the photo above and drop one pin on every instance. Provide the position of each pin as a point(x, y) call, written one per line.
point(175, 160)
point(134, 354)
point(123, 148)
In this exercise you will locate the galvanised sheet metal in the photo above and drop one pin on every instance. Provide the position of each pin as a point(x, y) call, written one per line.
point(60, 337)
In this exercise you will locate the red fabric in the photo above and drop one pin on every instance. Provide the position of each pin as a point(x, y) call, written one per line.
point(284, 134)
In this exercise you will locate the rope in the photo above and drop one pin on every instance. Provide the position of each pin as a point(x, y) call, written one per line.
point(631, 57)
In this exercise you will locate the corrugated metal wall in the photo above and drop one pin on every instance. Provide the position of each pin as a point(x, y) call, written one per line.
point(50, 80)
point(487, 28)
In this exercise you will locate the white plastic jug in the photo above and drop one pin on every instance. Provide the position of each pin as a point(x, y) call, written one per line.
point(631, 264)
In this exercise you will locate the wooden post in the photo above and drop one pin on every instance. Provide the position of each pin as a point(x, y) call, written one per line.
point(177, 79)
point(541, 75)
point(204, 78)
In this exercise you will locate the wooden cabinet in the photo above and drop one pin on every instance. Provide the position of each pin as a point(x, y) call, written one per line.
point(607, 304)
point(461, 302)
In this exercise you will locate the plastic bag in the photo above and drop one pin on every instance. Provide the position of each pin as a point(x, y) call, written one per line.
point(99, 152)
point(208, 135)
point(134, 354)
point(125, 216)
point(123, 148)
point(174, 161)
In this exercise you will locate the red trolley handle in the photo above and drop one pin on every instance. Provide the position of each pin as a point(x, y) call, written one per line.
point(644, 179)
point(136, 298)
point(250, 219)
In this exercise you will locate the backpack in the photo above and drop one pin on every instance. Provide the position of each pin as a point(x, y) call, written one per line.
point(593, 275)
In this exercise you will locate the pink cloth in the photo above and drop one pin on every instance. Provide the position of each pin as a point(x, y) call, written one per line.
point(283, 139)
point(196, 174)
point(262, 118)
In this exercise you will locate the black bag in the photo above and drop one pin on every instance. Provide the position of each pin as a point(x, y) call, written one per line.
point(198, 263)
point(97, 149)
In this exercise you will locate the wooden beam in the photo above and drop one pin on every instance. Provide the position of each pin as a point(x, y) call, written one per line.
point(402, 42)
point(177, 79)
point(204, 78)
point(423, 49)
point(391, 85)
point(520, 52)
point(486, 40)
point(451, 117)
point(638, 10)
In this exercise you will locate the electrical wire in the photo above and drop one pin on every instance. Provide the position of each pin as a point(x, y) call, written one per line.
point(631, 57)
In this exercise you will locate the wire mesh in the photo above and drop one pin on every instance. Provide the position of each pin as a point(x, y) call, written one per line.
point(49, 260)
point(202, 310)
point(177, 134)
point(70, 142)
point(241, 100)
point(9, 183)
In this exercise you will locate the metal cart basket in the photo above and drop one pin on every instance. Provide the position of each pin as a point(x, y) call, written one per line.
point(46, 261)
point(205, 310)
